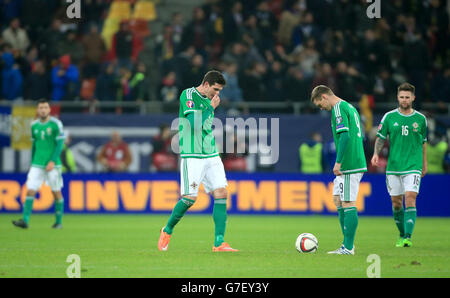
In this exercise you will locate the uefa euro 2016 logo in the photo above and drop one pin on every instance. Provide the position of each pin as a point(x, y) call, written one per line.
point(73, 11)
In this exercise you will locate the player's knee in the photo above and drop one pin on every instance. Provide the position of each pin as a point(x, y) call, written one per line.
point(397, 202)
point(220, 193)
point(410, 199)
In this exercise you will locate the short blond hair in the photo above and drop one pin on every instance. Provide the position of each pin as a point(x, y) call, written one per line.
point(319, 90)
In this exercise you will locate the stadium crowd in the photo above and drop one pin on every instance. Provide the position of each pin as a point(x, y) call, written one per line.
point(269, 50)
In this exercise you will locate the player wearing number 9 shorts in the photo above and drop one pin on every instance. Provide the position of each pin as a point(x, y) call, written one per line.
point(350, 161)
point(407, 132)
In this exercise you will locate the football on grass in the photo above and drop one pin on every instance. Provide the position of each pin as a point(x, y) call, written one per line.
point(306, 243)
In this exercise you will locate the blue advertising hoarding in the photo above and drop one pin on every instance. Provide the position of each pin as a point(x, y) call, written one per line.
point(261, 193)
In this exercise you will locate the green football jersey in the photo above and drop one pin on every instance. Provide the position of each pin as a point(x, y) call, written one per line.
point(193, 143)
point(407, 133)
point(344, 117)
point(44, 136)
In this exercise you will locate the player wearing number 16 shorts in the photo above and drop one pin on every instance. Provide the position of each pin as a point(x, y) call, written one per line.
point(350, 161)
point(407, 164)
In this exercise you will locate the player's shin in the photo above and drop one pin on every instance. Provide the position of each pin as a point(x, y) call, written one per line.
point(399, 218)
point(410, 221)
point(59, 210)
point(341, 218)
point(27, 208)
point(177, 213)
point(350, 226)
point(220, 220)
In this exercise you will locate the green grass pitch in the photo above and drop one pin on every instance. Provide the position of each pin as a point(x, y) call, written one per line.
point(126, 246)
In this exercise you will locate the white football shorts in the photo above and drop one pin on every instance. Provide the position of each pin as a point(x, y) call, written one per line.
point(347, 186)
point(194, 171)
point(399, 184)
point(37, 176)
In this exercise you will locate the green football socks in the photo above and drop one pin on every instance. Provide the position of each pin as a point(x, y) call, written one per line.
point(341, 218)
point(220, 220)
point(27, 208)
point(350, 225)
point(59, 210)
point(410, 220)
point(399, 218)
point(177, 213)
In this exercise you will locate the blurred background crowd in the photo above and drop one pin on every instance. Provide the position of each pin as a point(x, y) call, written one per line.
point(139, 52)
point(269, 50)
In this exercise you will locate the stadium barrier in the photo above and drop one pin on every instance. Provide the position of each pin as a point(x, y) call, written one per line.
point(261, 193)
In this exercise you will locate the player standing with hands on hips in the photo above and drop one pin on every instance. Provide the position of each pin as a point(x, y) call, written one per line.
point(350, 161)
point(200, 160)
point(47, 143)
point(407, 163)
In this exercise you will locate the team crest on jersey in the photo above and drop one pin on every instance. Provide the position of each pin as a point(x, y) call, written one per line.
point(194, 185)
point(415, 125)
point(190, 104)
point(49, 131)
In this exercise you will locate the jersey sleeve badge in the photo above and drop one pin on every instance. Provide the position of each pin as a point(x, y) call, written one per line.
point(190, 104)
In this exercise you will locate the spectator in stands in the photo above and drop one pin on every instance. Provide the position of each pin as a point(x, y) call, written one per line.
point(233, 22)
point(139, 84)
point(169, 91)
point(253, 83)
point(11, 78)
point(308, 57)
point(440, 89)
point(163, 157)
point(267, 23)
point(416, 69)
point(311, 155)
point(385, 88)
point(197, 32)
point(436, 150)
point(124, 46)
point(124, 93)
point(107, 84)
point(94, 50)
point(275, 80)
point(65, 78)
point(16, 36)
point(70, 46)
point(167, 45)
point(289, 20)
point(37, 84)
point(177, 24)
point(195, 72)
point(298, 87)
point(115, 156)
point(67, 158)
point(346, 81)
point(324, 75)
point(36, 16)
point(48, 44)
point(232, 92)
point(306, 30)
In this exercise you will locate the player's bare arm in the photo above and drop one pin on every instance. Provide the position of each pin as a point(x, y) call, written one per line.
point(379, 143)
point(425, 165)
